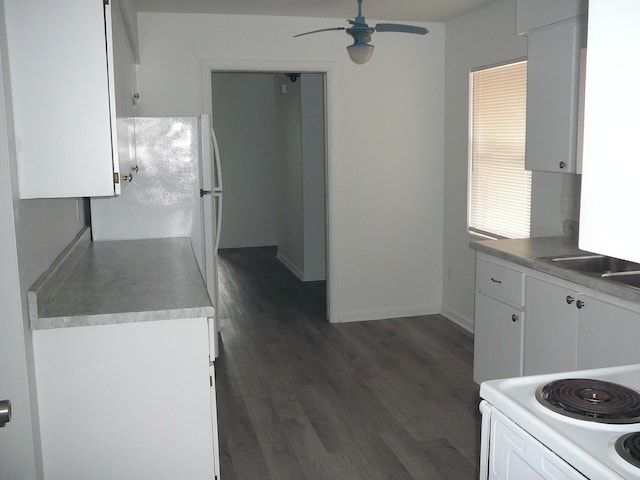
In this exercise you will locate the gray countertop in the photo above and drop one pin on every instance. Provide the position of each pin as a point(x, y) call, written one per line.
point(528, 251)
point(98, 283)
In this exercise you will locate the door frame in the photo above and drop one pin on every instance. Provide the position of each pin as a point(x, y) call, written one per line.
point(210, 66)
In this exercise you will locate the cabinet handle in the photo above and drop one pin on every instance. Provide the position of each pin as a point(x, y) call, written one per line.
point(579, 304)
point(562, 165)
point(570, 299)
point(514, 318)
point(495, 281)
point(5, 412)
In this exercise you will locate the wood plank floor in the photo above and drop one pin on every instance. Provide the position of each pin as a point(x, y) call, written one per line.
point(299, 398)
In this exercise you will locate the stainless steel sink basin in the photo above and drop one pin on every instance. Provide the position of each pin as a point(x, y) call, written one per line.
point(631, 279)
point(600, 265)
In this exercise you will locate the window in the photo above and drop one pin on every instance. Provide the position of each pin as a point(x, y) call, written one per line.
point(499, 186)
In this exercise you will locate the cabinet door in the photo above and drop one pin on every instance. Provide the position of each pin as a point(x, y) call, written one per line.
point(497, 340)
point(607, 335)
point(551, 332)
point(60, 93)
point(611, 169)
point(126, 401)
point(552, 96)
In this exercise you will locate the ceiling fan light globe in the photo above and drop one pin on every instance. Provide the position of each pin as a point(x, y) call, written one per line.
point(360, 53)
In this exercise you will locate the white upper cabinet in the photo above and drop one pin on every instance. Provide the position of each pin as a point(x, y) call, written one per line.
point(62, 94)
point(556, 32)
point(611, 163)
point(553, 78)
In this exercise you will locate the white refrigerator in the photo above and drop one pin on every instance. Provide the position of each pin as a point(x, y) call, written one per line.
point(174, 189)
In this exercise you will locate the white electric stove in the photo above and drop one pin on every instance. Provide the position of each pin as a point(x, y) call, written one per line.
point(570, 425)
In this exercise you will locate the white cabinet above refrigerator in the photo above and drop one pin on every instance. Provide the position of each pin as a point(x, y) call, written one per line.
point(60, 64)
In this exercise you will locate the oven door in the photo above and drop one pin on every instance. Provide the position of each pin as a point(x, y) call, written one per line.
point(508, 452)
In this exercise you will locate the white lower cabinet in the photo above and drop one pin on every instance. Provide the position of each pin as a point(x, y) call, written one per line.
point(127, 401)
point(498, 329)
point(550, 335)
point(499, 320)
point(569, 329)
point(561, 326)
point(608, 334)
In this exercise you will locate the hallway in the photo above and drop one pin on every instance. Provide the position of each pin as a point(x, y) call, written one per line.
point(299, 398)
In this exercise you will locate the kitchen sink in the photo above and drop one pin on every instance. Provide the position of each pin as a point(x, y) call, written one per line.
point(631, 279)
point(600, 265)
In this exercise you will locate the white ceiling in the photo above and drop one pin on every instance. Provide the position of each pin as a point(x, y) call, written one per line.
point(405, 10)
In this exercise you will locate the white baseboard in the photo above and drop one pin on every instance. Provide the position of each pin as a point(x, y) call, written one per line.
point(297, 271)
point(313, 276)
point(383, 314)
point(458, 319)
point(292, 267)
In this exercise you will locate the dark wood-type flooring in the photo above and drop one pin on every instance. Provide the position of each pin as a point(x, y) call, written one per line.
point(300, 398)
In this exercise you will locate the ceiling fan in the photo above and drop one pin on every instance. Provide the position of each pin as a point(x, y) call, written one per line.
point(361, 50)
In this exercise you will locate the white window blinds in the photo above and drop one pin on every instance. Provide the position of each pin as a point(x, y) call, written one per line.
point(499, 186)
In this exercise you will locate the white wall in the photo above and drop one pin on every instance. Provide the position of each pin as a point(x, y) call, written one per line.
point(483, 37)
point(245, 125)
point(301, 212)
point(385, 141)
point(289, 153)
point(313, 177)
point(130, 23)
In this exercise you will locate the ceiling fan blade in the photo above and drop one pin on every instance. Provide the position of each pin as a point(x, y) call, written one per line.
point(321, 30)
point(399, 27)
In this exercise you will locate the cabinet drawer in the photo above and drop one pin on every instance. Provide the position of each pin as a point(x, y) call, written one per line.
point(500, 282)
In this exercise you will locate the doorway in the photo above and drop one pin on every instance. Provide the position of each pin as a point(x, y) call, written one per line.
point(271, 131)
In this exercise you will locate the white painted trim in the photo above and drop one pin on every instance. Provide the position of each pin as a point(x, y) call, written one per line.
point(331, 107)
point(460, 320)
point(297, 271)
point(313, 276)
point(366, 315)
point(291, 266)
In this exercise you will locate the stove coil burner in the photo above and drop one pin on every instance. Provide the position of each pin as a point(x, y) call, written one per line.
point(592, 400)
point(628, 447)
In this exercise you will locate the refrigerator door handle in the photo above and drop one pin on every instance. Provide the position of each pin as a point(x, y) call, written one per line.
point(218, 197)
point(217, 187)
